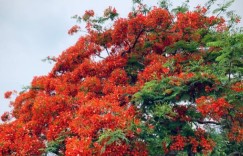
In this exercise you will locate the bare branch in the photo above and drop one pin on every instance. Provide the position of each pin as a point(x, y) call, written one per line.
point(99, 56)
point(206, 122)
point(134, 43)
point(107, 51)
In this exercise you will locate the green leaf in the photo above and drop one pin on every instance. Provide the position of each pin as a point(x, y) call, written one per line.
point(111, 137)
point(223, 7)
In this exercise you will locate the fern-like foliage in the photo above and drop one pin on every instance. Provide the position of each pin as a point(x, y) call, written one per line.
point(109, 137)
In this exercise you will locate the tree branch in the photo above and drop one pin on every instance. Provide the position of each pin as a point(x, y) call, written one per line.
point(100, 56)
point(107, 51)
point(134, 43)
point(206, 122)
point(136, 40)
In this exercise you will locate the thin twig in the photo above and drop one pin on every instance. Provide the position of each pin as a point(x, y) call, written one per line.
point(107, 51)
point(99, 56)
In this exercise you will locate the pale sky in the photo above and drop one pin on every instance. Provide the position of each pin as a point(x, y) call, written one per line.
point(31, 30)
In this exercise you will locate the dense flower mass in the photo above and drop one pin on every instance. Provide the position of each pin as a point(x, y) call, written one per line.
point(213, 108)
point(155, 83)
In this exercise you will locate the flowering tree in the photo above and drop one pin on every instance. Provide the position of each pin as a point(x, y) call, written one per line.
point(158, 82)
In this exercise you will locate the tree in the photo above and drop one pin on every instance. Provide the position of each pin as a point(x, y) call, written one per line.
point(166, 83)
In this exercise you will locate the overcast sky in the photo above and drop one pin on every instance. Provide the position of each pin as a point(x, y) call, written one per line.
point(31, 30)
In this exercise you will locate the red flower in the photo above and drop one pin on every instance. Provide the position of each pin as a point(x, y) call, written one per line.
point(73, 30)
point(88, 14)
point(214, 108)
point(5, 116)
point(238, 87)
point(8, 94)
point(179, 143)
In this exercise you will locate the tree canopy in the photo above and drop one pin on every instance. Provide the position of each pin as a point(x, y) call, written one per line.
point(159, 82)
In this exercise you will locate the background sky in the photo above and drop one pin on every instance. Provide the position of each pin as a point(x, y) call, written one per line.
point(32, 30)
